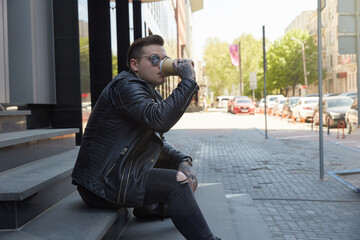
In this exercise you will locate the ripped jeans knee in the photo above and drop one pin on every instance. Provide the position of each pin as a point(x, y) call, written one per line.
point(181, 178)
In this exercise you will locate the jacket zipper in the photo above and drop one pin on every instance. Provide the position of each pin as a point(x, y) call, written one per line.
point(121, 154)
point(127, 180)
point(131, 157)
point(189, 98)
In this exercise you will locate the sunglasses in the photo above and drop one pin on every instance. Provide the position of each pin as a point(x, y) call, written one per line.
point(154, 59)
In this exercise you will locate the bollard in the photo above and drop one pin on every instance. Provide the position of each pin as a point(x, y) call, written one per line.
point(328, 126)
point(341, 124)
point(301, 120)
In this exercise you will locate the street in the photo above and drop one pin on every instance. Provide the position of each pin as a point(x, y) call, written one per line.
point(280, 173)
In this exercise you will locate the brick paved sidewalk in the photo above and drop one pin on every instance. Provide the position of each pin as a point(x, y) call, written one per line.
point(282, 177)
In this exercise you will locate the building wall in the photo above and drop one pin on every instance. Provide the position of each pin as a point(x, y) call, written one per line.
point(340, 68)
point(31, 52)
point(188, 31)
point(4, 58)
point(159, 18)
point(181, 22)
point(83, 29)
point(300, 22)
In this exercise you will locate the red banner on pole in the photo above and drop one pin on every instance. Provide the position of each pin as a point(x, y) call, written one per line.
point(234, 54)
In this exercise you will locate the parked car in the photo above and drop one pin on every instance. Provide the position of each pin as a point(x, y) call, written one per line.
point(353, 95)
point(351, 117)
point(222, 101)
point(330, 94)
point(304, 108)
point(243, 105)
point(334, 109)
point(86, 110)
point(262, 106)
point(270, 100)
point(231, 102)
point(288, 106)
point(278, 106)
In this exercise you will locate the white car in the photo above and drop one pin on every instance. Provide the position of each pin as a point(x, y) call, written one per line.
point(278, 106)
point(261, 106)
point(351, 117)
point(270, 100)
point(304, 108)
point(222, 101)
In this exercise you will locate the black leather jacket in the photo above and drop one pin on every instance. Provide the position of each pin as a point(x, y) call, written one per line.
point(123, 137)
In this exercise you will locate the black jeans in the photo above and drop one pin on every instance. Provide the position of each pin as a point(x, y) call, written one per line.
point(162, 187)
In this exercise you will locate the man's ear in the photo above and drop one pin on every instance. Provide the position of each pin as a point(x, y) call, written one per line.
point(134, 65)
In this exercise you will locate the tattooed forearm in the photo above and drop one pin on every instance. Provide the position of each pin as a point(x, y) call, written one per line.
point(187, 169)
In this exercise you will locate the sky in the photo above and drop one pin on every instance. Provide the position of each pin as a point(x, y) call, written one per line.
point(229, 19)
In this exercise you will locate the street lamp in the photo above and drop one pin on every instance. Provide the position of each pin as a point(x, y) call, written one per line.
point(304, 62)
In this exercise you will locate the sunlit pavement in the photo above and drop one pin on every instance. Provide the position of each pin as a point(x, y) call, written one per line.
point(283, 129)
point(277, 128)
point(280, 173)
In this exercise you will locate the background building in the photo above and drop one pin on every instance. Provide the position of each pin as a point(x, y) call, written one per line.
point(40, 52)
point(300, 22)
point(340, 68)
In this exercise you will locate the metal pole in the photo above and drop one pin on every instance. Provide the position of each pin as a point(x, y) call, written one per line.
point(241, 90)
point(264, 64)
point(357, 8)
point(321, 140)
point(304, 63)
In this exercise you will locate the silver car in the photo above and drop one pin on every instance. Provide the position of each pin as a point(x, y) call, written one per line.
point(304, 108)
point(351, 117)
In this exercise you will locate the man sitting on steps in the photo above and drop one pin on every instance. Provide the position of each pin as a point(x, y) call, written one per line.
point(124, 159)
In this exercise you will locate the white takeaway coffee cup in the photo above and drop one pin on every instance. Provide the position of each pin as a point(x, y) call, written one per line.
point(167, 68)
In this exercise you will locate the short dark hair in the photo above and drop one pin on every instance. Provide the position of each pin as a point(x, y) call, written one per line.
point(135, 50)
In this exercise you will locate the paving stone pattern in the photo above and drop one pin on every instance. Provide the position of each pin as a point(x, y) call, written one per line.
point(282, 177)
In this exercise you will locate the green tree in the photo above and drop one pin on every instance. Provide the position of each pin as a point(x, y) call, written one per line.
point(285, 64)
point(218, 69)
point(251, 58)
point(114, 64)
point(84, 65)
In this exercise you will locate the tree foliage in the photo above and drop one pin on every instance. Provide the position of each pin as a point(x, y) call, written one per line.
point(219, 70)
point(251, 59)
point(114, 64)
point(285, 63)
point(84, 65)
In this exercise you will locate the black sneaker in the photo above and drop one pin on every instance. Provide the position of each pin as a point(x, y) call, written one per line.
point(153, 211)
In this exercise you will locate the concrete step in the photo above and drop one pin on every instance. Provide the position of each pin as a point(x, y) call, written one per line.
point(71, 219)
point(27, 190)
point(247, 220)
point(11, 121)
point(212, 202)
point(14, 138)
point(18, 148)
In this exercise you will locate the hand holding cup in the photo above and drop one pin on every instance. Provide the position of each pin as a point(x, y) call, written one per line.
point(181, 67)
point(185, 68)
